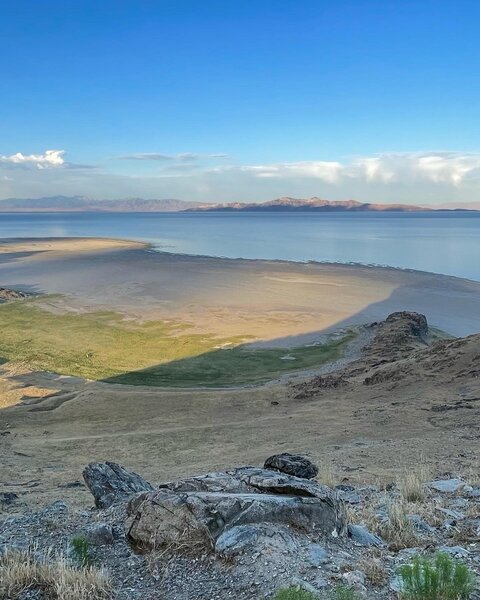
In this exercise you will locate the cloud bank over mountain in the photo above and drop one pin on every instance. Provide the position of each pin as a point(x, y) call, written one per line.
point(408, 177)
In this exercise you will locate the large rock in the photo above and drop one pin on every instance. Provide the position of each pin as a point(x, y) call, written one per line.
point(109, 482)
point(200, 518)
point(292, 464)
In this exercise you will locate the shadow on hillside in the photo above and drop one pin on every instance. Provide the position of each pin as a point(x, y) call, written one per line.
point(261, 362)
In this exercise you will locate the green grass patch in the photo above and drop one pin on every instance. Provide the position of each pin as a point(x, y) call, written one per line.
point(104, 346)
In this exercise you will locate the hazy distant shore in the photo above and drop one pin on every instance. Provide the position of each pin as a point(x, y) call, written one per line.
point(264, 300)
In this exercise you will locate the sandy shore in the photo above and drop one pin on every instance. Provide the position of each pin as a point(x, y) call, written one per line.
point(277, 302)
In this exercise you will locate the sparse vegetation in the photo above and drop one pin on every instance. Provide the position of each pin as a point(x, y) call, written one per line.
point(345, 592)
point(439, 578)
point(327, 474)
point(295, 593)
point(398, 530)
point(411, 482)
point(105, 346)
point(374, 569)
point(81, 549)
point(56, 579)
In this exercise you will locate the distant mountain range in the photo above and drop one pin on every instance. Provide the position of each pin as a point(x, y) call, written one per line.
point(83, 204)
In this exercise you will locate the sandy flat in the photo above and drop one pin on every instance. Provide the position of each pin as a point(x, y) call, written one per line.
point(279, 302)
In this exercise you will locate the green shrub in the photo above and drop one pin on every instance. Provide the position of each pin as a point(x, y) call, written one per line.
point(439, 578)
point(294, 593)
point(344, 592)
point(81, 549)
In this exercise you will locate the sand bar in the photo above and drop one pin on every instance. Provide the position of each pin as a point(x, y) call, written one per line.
point(275, 301)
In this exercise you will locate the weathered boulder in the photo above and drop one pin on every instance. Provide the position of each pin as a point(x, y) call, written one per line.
point(273, 482)
point(292, 464)
point(189, 518)
point(109, 482)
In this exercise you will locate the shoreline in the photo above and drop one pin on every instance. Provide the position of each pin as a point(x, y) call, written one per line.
point(281, 302)
point(132, 244)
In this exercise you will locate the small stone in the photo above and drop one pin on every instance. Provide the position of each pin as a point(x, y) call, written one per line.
point(100, 534)
point(420, 525)
point(363, 537)
point(355, 579)
point(57, 509)
point(456, 551)
point(446, 486)
point(8, 498)
point(304, 585)
point(318, 555)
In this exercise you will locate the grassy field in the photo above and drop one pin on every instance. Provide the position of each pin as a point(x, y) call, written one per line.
point(103, 346)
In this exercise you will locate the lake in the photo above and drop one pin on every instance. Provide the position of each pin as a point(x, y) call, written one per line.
point(447, 243)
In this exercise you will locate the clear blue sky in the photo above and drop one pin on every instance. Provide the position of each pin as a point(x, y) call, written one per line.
point(272, 84)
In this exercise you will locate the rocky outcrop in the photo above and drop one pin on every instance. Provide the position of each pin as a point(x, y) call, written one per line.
point(109, 482)
point(292, 464)
point(161, 518)
point(199, 510)
point(7, 294)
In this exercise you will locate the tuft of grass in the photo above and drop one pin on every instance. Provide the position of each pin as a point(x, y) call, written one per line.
point(294, 593)
point(327, 475)
point(345, 592)
point(81, 549)
point(374, 570)
point(105, 346)
point(398, 530)
point(20, 572)
point(412, 482)
point(439, 578)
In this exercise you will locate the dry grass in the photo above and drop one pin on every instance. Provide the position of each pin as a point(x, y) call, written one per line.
point(411, 482)
point(373, 568)
point(398, 531)
point(327, 475)
point(20, 571)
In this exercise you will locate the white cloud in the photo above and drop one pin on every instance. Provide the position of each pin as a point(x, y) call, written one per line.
point(183, 156)
point(450, 168)
point(324, 170)
point(435, 167)
point(51, 158)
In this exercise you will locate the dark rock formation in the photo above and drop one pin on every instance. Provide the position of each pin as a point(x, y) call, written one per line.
point(109, 483)
point(161, 518)
point(292, 464)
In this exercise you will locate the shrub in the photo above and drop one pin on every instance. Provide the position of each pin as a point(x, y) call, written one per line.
point(81, 549)
point(294, 593)
point(440, 578)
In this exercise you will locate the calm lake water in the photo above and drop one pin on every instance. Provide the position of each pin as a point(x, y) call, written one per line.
point(446, 243)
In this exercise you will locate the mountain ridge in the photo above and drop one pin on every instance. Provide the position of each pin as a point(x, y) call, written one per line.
point(283, 204)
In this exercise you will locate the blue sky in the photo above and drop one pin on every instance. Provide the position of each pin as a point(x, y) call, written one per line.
point(230, 100)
